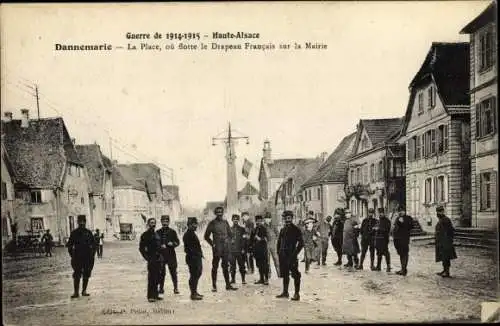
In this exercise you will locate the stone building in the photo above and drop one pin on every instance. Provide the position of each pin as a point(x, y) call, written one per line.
point(436, 132)
point(248, 198)
point(7, 193)
point(484, 118)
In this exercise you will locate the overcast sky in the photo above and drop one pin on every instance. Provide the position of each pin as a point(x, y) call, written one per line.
point(166, 106)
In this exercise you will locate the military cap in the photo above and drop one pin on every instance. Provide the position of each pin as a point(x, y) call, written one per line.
point(311, 213)
point(192, 220)
point(165, 217)
point(267, 215)
point(440, 209)
point(309, 220)
point(235, 217)
point(258, 217)
point(371, 210)
point(287, 213)
point(218, 207)
point(339, 211)
point(381, 210)
point(151, 219)
point(81, 218)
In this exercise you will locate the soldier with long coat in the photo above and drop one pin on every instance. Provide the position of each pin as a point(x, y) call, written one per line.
point(168, 241)
point(337, 233)
point(401, 237)
point(149, 247)
point(259, 238)
point(445, 250)
point(382, 233)
point(350, 245)
point(238, 254)
point(272, 234)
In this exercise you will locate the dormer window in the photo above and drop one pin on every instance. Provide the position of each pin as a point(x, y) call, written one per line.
point(364, 143)
point(420, 103)
point(431, 97)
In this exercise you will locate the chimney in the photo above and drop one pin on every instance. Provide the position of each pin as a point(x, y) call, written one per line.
point(7, 116)
point(323, 156)
point(266, 151)
point(25, 118)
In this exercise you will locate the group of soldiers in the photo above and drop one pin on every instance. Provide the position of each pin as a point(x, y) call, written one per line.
point(239, 245)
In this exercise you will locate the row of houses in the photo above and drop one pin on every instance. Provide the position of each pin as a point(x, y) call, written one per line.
point(443, 151)
point(48, 181)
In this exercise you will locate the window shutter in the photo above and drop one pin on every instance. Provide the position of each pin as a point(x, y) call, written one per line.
point(493, 191)
point(446, 190)
point(482, 192)
point(445, 138)
point(424, 185)
point(435, 190)
point(478, 120)
point(494, 113)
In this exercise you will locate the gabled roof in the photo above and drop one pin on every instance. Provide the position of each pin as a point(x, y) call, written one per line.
point(248, 190)
point(124, 176)
point(171, 192)
point(378, 131)
point(334, 169)
point(281, 167)
point(304, 172)
point(40, 151)
point(487, 16)
point(448, 65)
point(149, 172)
point(92, 159)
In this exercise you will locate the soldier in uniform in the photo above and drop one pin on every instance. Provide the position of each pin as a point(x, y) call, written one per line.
point(47, 241)
point(249, 226)
point(272, 234)
point(238, 254)
point(149, 247)
point(337, 233)
point(259, 238)
point(350, 246)
point(445, 250)
point(168, 242)
point(290, 243)
point(401, 235)
point(221, 234)
point(324, 235)
point(194, 257)
point(367, 239)
point(382, 232)
point(82, 249)
point(99, 242)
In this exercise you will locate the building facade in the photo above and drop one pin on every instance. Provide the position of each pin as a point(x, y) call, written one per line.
point(484, 118)
point(51, 185)
point(376, 167)
point(7, 192)
point(172, 203)
point(436, 132)
point(248, 198)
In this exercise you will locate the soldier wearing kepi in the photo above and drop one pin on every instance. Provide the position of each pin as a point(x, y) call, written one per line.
point(168, 242)
point(401, 236)
point(259, 238)
point(290, 243)
point(194, 257)
point(149, 247)
point(445, 250)
point(220, 230)
point(324, 235)
point(238, 254)
point(249, 226)
point(82, 249)
point(367, 239)
point(337, 233)
point(382, 232)
point(47, 241)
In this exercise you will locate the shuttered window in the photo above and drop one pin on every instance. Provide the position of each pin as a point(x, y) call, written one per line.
point(381, 170)
point(365, 174)
point(486, 117)
point(409, 146)
point(428, 190)
point(442, 139)
point(372, 173)
point(431, 97)
point(486, 54)
point(420, 103)
point(418, 147)
point(488, 191)
point(440, 189)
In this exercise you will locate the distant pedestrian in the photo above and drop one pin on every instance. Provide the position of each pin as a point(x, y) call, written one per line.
point(194, 256)
point(149, 247)
point(249, 227)
point(99, 240)
point(350, 245)
point(401, 235)
point(289, 245)
point(324, 237)
point(367, 239)
point(445, 250)
point(337, 233)
point(47, 241)
point(168, 242)
point(220, 231)
point(272, 238)
point(259, 238)
point(82, 249)
point(310, 236)
point(382, 233)
point(238, 254)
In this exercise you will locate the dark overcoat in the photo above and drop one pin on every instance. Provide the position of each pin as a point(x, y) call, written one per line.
point(444, 240)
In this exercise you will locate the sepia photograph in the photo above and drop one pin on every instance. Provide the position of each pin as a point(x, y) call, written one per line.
point(249, 162)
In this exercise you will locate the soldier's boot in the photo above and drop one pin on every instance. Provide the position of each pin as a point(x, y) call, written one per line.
point(214, 281)
point(372, 266)
point(379, 262)
point(243, 278)
point(266, 279)
point(296, 295)
point(85, 282)
point(339, 259)
point(388, 268)
point(176, 288)
point(76, 287)
point(286, 283)
point(362, 260)
point(196, 297)
point(261, 278)
point(233, 277)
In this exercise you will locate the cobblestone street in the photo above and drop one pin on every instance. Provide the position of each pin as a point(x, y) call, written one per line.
point(38, 289)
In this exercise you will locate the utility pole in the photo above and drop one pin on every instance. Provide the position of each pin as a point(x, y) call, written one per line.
point(231, 190)
point(37, 101)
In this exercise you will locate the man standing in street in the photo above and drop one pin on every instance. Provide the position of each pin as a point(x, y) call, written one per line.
point(238, 254)
point(221, 234)
point(259, 238)
point(168, 242)
point(337, 233)
point(272, 238)
point(401, 235)
point(99, 237)
point(47, 241)
point(382, 232)
point(82, 249)
point(149, 247)
point(367, 239)
point(445, 250)
point(194, 257)
point(290, 243)
point(249, 226)
point(324, 235)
